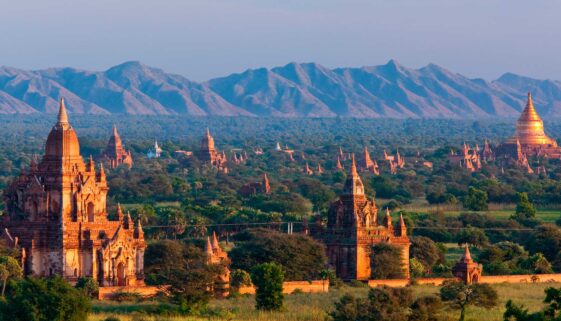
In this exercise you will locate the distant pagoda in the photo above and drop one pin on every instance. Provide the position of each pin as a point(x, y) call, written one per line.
point(529, 138)
point(115, 154)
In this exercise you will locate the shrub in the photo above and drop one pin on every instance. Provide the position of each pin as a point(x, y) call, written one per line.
point(239, 278)
point(383, 304)
point(88, 286)
point(44, 299)
point(268, 279)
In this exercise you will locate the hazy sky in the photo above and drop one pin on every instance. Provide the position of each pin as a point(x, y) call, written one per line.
point(201, 39)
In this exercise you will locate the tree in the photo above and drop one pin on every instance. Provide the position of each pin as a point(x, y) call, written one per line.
point(425, 251)
point(268, 279)
point(416, 267)
point(545, 239)
point(301, 257)
point(184, 268)
point(472, 236)
point(9, 268)
point(476, 200)
point(460, 296)
point(88, 285)
point(525, 212)
point(239, 278)
point(537, 264)
point(51, 299)
point(386, 262)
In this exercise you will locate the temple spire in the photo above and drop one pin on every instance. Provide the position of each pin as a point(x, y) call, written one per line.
point(402, 226)
point(215, 244)
point(353, 166)
point(466, 258)
point(353, 184)
point(208, 248)
point(62, 118)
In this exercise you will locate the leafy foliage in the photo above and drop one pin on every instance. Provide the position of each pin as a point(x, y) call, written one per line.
point(51, 299)
point(268, 279)
point(182, 267)
point(88, 285)
point(301, 257)
point(386, 262)
point(476, 200)
point(460, 296)
point(387, 304)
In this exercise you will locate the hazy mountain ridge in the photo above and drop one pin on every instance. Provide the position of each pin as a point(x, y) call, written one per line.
point(293, 90)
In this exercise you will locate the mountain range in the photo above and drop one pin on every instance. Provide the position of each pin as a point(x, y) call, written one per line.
point(293, 90)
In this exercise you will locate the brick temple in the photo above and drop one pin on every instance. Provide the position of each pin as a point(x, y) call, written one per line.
point(352, 229)
point(57, 217)
point(115, 154)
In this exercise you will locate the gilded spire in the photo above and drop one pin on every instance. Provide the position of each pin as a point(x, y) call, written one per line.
point(529, 127)
point(62, 114)
point(529, 113)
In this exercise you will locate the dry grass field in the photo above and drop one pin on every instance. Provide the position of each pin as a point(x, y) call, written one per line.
point(315, 307)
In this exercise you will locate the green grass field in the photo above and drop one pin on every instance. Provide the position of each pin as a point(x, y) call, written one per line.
point(314, 307)
point(544, 214)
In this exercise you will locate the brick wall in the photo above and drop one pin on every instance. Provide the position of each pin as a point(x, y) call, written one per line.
point(106, 292)
point(489, 279)
point(288, 287)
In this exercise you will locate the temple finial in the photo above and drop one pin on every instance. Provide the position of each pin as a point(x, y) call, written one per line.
point(467, 255)
point(353, 165)
point(62, 114)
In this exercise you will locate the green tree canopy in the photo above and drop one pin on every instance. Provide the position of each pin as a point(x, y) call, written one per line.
point(476, 200)
point(460, 296)
point(301, 257)
point(268, 279)
point(184, 268)
point(386, 262)
point(525, 212)
point(51, 299)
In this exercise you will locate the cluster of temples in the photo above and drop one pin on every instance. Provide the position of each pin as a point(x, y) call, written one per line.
point(529, 141)
point(57, 216)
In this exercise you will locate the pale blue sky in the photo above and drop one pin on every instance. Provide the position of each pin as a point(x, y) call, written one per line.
point(201, 39)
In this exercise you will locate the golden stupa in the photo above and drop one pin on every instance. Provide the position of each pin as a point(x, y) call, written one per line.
point(529, 128)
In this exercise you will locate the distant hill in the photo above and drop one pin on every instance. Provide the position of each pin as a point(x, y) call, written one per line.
point(293, 90)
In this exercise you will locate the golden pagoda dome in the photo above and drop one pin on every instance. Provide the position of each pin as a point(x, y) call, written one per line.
point(62, 140)
point(529, 128)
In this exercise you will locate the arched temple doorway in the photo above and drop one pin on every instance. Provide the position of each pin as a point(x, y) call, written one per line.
point(121, 277)
point(90, 211)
